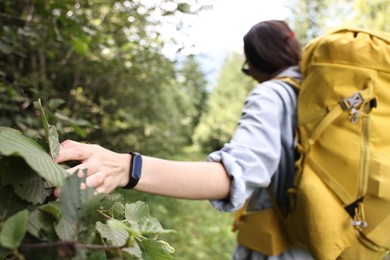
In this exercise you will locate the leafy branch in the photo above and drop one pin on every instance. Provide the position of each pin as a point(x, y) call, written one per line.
point(78, 224)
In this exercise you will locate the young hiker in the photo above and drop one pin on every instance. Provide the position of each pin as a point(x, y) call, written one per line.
point(260, 153)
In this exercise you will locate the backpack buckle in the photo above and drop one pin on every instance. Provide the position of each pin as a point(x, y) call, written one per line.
point(351, 102)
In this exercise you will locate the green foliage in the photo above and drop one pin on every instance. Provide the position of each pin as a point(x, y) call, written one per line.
point(311, 18)
point(14, 229)
point(99, 66)
point(224, 105)
point(79, 223)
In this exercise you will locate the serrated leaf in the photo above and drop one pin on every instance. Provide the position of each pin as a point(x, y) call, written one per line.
point(136, 211)
point(71, 203)
point(12, 142)
point(40, 225)
point(118, 210)
point(139, 217)
point(152, 226)
point(158, 249)
point(65, 229)
point(134, 250)
point(25, 182)
point(73, 198)
point(51, 134)
point(54, 143)
point(114, 232)
point(14, 230)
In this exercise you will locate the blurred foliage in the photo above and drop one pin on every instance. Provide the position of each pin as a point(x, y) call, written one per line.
point(311, 18)
point(98, 68)
point(224, 106)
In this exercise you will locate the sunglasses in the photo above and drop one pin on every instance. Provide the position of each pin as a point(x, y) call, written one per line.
point(245, 68)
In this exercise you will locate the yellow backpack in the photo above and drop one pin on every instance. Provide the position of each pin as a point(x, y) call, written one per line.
point(340, 205)
point(340, 201)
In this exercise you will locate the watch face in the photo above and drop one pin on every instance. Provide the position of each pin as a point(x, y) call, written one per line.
point(137, 166)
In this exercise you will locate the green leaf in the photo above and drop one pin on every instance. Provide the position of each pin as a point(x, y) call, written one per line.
point(158, 249)
point(71, 203)
point(134, 250)
point(5, 48)
point(139, 217)
point(14, 230)
point(40, 225)
point(73, 198)
point(12, 142)
point(80, 46)
point(10, 203)
point(137, 211)
point(25, 182)
point(50, 131)
point(114, 231)
point(66, 229)
point(52, 209)
point(118, 210)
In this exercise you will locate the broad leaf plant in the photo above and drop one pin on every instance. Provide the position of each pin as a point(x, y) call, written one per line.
point(80, 223)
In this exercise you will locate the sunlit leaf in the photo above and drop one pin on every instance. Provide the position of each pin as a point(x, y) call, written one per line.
point(136, 211)
point(152, 226)
point(80, 46)
point(158, 249)
point(114, 232)
point(134, 250)
point(14, 229)
point(12, 142)
point(139, 217)
point(52, 209)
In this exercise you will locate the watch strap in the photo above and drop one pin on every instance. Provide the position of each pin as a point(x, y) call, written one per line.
point(135, 170)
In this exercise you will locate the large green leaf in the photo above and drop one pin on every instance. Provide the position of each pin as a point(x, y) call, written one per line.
point(25, 182)
point(12, 142)
point(14, 229)
point(71, 204)
point(73, 198)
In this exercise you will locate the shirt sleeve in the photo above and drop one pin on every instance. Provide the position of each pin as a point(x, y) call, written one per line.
point(252, 155)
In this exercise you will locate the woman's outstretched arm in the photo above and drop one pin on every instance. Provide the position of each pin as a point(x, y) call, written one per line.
point(108, 170)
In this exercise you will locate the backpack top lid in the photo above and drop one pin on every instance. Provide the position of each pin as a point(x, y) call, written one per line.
point(349, 46)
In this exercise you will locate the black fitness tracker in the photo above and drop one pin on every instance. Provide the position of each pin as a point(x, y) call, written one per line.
point(135, 170)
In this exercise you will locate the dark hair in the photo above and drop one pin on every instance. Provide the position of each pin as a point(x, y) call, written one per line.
point(271, 46)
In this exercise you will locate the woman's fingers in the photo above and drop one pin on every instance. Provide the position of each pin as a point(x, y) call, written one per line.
point(105, 170)
point(72, 150)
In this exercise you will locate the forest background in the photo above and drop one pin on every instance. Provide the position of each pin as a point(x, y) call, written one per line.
point(101, 73)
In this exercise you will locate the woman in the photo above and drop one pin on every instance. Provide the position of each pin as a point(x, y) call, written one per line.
point(260, 153)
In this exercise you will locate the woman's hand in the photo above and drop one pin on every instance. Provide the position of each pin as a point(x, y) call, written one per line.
point(106, 170)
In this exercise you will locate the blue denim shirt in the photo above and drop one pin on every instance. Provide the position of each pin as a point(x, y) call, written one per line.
point(262, 146)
